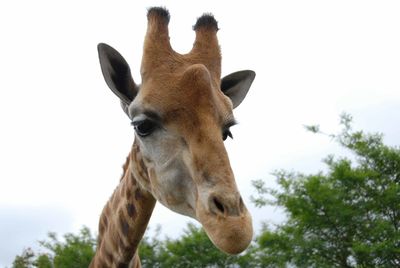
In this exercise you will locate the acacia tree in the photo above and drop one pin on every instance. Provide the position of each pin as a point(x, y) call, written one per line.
point(346, 217)
point(26, 259)
point(76, 250)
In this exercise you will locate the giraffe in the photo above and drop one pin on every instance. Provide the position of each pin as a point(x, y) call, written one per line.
point(181, 114)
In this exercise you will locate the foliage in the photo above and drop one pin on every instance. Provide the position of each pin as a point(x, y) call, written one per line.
point(149, 250)
point(43, 261)
point(349, 217)
point(75, 251)
point(26, 259)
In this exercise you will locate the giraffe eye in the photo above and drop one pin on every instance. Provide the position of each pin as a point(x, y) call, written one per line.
point(227, 133)
point(144, 127)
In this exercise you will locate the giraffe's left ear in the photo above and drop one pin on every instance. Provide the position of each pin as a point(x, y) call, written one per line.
point(236, 85)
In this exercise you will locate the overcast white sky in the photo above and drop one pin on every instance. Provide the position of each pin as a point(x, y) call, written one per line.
point(64, 138)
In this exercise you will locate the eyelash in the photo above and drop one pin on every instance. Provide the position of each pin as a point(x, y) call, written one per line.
point(227, 133)
point(226, 130)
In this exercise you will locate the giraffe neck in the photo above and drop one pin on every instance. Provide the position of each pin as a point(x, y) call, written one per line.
point(124, 219)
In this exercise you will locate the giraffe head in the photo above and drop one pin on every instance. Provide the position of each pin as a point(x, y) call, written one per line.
point(181, 114)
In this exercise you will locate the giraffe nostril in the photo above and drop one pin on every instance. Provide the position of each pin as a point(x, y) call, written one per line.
point(219, 205)
point(226, 205)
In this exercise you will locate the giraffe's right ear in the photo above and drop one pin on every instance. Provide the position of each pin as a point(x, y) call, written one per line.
point(117, 74)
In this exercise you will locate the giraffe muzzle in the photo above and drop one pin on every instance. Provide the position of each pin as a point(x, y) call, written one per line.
point(226, 221)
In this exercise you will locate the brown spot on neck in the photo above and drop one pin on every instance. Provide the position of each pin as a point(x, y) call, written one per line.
point(130, 208)
point(138, 194)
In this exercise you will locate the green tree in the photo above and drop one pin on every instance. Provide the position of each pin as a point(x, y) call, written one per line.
point(348, 216)
point(149, 250)
point(74, 251)
point(43, 261)
point(25, 260)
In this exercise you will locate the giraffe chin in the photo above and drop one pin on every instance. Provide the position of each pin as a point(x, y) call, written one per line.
point(231, 234)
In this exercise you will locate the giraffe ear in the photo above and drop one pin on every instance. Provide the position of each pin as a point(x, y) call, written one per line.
point(117, 74)
point(236, 85)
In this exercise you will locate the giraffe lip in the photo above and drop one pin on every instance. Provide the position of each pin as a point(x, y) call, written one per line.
point(231, 234)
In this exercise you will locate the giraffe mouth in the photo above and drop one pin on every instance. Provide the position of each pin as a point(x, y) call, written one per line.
point(230, 232)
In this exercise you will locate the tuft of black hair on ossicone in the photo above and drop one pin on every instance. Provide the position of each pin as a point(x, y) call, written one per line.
point(161, 12)
point(207, 20)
